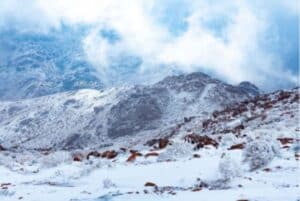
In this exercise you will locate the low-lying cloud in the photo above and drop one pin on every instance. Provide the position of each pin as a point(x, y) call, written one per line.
point(232, 40)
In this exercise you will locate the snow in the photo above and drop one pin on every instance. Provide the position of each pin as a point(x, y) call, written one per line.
point(84, 181)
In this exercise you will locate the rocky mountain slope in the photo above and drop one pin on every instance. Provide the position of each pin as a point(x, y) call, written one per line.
point(91, 118)
point(247, 151)
point(254, 115)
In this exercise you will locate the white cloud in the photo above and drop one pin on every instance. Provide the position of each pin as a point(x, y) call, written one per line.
point(234, 54)
point(25, 15)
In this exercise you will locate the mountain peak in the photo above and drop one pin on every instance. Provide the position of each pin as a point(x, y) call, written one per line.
point(250, 88)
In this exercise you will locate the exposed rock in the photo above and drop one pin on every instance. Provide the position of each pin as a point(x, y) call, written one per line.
point(109, 154)
point(140, 111)
point(237, 146)
point(94, 154)
point(151, 184)
point(285, 141)
point(196, 156)
point(2, 148)
point(77, 157)
point(200, 141)
point(250, 88)
point(151, 154)
point(163, 143)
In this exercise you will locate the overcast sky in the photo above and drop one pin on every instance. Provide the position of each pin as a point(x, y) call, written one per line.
point(233, 40)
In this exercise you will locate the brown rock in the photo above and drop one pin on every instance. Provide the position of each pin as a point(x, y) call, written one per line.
point(237, 146)
point(196, 189)
point(5, 185)
point(112, 155)
point(267, 170)
point(136, 152)
point(151, 154)
point(109, 154)
point(93, 153)
point(201, 141)
point(77, 157)
point(283, 95)
point(285, 141)
point(151, 184)
point(133, 156)
point(163, 143)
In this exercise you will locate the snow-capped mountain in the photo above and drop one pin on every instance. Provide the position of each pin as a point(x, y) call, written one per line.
point(92, 118)
point(37, 64)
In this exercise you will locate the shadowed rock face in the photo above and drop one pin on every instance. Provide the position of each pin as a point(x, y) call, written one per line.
point(142, 108)
point(75, 141)
point(250, 88)
point(140, 111)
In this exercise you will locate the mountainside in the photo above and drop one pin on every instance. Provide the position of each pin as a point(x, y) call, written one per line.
point(277, 112)
point(249, 150)
point(33, 65)
point(91, 118)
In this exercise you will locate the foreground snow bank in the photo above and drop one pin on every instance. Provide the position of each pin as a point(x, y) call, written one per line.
point(183, 179)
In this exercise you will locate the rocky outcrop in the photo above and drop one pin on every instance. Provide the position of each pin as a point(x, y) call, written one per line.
point(140, 110)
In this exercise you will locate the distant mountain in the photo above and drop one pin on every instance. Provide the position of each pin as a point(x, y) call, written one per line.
point(33, 64)
point(92, 118)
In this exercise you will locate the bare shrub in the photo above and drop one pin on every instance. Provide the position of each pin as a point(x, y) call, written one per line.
point(260, 152)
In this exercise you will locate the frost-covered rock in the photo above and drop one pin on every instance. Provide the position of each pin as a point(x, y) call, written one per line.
point(6, 193)
point(55, 158)
point(228, 140)
point(229, 169)
point(107, 183)
point(176, 151)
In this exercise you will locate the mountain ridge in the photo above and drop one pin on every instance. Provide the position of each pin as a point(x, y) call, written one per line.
point(84, 118)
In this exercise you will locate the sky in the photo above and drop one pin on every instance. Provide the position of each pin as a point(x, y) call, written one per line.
point(234, 41)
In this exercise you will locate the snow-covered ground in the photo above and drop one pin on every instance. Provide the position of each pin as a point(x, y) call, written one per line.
point(103, 179)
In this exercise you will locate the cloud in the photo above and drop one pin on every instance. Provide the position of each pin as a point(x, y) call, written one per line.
point(24, 15)
point(235, 54)
point(233, 40)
